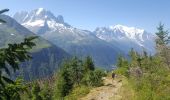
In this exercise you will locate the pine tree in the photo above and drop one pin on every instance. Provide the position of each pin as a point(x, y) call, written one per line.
point(64, 81)
point(46, 92)
point(13, 90)
point(76, 70)
point(10, 58)
point(88, 64)
point(36, 92)
point(134, 57)
point(121, 62)
point(162, 44)
point(162, 35)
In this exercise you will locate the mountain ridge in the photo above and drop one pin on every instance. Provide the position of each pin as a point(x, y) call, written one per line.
point(100, 43)
point(46, 18)
point(129, 36)
point(13, 32)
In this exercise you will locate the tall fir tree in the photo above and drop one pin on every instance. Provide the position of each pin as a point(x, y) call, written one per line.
point(64, 82)
point(89, 64)
point(162, 35)
point(76, 70)
point(162, 44)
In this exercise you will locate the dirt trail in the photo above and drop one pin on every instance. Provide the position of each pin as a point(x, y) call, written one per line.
point(110, 91)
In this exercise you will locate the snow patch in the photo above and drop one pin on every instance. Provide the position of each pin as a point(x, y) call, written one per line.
point(54, 25)
point(25, 17)
point(46, 16)
point(35, 23)
point(12, 34)
point(39, 11)
point(130, 32)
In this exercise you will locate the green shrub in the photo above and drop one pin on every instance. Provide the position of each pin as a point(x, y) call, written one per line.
point(78, 92)
point(46, 93)
point(93, 78)
point(121, 71)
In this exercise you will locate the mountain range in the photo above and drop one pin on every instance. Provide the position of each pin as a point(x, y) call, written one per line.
point(46, 56)
point(104, 44)
point(127, 37)
point(74, 41)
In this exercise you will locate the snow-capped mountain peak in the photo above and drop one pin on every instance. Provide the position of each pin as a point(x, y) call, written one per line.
point(127, 29)
point(120, 31)
point(130, 37)
point(39, 10)
point(41, 18)
point(103, 39)
point(130, 32)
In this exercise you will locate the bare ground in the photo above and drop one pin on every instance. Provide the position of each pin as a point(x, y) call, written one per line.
point(110, 91)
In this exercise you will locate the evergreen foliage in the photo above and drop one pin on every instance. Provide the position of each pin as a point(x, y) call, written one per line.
point(76, 73)
point(76, 70)
point(46, 93)
point(162, 34)
point(10, 58)
point(149, 75)
point(36, 92)
point(64, 82)
point(12, 90)
point(88, 64)
point(162, 44)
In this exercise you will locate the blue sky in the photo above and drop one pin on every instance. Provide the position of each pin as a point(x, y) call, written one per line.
point(89, 14)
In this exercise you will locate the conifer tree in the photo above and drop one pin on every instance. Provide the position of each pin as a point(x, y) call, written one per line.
point(134, 56)
point(76, 70)
point(36, 92)
point(10, 58)
point(121, 62)
point(46, 93)
point(64, 81)
point(162, 43)
point(88, 64)
point(162, 35)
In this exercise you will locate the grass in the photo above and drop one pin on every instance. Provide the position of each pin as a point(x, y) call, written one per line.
point(6, 38)
point(78, 92)
point(126, 91)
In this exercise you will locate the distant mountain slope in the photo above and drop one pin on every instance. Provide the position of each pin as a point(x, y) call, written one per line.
point(104, 44)
point(127, 38)
point(74, 41)
point(46, 56)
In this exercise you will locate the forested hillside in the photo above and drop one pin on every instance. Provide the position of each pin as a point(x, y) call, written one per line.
point(46, 57)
